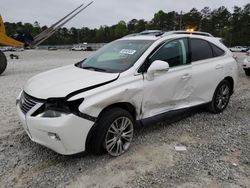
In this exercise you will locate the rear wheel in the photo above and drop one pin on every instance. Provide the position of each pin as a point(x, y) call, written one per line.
point(247, 71)
point(3, 62)
point(221, 97)
point(114, 132)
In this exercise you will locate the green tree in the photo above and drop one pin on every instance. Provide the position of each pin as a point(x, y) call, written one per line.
point(120, 29)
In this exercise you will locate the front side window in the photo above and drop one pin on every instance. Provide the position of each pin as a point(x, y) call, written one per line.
point(175, 53)
point(200, 50)
point(117, 56)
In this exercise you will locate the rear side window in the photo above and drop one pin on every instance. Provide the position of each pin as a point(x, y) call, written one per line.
point(217, 51)
point(200, 49)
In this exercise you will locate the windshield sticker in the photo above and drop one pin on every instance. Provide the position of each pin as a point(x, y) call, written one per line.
point(127, 51)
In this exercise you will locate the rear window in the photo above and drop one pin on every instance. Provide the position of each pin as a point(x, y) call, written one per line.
point(200, 49)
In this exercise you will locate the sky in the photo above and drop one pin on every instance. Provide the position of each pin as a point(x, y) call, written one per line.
point(101, 12)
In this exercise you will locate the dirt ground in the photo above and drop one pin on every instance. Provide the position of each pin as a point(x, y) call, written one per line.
point(217, 155)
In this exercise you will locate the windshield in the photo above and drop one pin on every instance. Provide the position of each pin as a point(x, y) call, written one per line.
point(117, 56)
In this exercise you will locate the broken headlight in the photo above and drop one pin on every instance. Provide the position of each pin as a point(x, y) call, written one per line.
point(54, 108)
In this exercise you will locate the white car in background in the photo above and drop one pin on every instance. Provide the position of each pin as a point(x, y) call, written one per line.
point(6, 48)
point(80, 47)
point(94, 104)
point(248, 52)
point(246, 65)
point(238, 49)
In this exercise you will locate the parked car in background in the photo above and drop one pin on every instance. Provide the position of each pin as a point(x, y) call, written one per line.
point(3, 49)
point(6, 48)
point(246, 65)
point(52, 48)
point(80, 47)
point(248, 52)
point(238, 49)
point(95, 103)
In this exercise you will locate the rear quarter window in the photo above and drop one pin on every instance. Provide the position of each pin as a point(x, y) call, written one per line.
point(217, 51)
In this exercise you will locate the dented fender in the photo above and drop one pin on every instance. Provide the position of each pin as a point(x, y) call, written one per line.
point(124, 89)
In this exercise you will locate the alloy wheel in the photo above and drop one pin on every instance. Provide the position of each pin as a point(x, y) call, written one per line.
point(222, 97)
point(119, 136)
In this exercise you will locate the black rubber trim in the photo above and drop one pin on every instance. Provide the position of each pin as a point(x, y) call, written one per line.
point(86, 116)
point(90, 88)
point(168, 115)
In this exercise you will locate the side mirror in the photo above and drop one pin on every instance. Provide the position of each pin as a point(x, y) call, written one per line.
point(157, 66)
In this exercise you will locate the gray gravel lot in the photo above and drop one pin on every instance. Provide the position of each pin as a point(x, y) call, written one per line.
point(217, 155)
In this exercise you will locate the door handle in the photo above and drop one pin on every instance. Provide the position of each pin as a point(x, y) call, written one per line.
point(218, 67)
point(186, 76)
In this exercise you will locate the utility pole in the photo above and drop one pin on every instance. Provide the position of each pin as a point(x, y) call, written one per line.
point(78, 37)
point(181, 20)
point(174, 20)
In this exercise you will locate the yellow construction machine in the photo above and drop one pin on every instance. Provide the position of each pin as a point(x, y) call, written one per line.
point(30, 41)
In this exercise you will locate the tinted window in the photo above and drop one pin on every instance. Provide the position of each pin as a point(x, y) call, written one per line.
point(174, 52)
point(217, 51)
point(200, 49)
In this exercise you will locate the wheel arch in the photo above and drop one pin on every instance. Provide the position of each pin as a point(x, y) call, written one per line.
point(124, 105)
point(231, 81)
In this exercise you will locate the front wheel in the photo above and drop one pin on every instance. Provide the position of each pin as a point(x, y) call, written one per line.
point(221, 97)
point(3, 62)
point(114, 132)
point(247, 71)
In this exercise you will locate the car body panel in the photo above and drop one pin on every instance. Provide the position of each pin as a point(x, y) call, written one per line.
point(62, 81)
point(202, 71)
point(71, 129)
point(127, 89)
point(168, 90)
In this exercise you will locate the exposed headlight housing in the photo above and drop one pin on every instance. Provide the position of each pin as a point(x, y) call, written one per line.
point(51, 114)
point(54, 108)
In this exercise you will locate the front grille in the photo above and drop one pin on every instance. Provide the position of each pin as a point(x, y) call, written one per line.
point(27, 102)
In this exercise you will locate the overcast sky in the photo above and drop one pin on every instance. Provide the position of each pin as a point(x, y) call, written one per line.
point(101, 12)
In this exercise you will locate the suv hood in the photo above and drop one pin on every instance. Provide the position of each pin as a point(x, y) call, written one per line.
point(64, 81)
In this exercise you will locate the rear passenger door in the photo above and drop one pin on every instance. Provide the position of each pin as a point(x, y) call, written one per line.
point(208, 70)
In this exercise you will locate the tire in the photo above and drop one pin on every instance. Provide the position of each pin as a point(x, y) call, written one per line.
point(106, 138)
point(247, 71)
point(221, 97)
point(3, 62)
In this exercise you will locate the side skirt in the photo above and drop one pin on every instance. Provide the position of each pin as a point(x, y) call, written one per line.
point(170, 115)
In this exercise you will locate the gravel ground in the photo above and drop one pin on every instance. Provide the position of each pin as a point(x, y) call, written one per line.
point(217, 155)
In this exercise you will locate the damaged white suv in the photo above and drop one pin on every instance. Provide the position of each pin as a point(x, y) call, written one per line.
point(95, 103)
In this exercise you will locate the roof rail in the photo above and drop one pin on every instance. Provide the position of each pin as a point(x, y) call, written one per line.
point(147, 32)
point(158, 33)
point(190, 32)
point(152, 32)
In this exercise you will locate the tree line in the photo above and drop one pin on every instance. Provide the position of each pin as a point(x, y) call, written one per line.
point(233, 26)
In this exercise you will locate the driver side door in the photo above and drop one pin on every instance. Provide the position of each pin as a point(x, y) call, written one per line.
point(168, 90)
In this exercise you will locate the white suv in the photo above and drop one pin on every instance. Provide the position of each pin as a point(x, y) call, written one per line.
point(95, 103)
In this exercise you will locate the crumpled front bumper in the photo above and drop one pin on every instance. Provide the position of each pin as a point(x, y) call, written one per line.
point(71, 132)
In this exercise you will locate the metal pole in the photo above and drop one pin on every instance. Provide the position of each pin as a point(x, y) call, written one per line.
point(35, 43)
point(51, 27)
